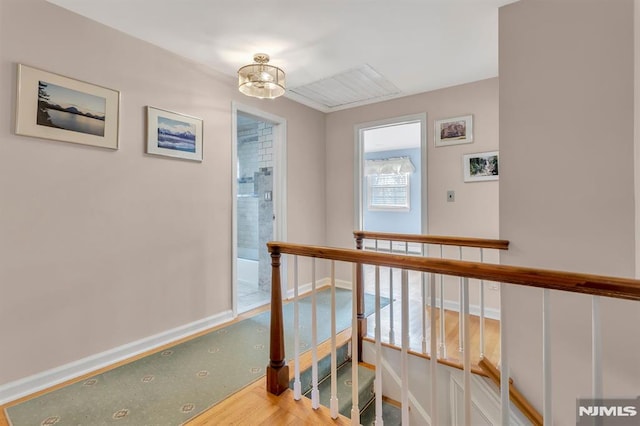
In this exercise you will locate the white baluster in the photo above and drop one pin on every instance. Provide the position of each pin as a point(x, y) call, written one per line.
point(481, 308)
point(315, 394)
point(378, 382)
point(467, 352)
point(355, 410)
point(434, 355)
point(333, 402)
point(443, 343)
point(297, 387)
point(460, 297)
point(504, 362)
point(392, 335)
point(425, 303)
point(546, 358)
point(596, 348)
point(404, 363)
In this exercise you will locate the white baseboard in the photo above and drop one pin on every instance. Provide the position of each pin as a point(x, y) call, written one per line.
point(451, 305)
point(323, 282)
point(491, 313)
point(305, 288)
point(343, 284)
point(43, 380)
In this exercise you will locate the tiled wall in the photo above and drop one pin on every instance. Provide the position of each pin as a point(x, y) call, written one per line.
point(255, 158)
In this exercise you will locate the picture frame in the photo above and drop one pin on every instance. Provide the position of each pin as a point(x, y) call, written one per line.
point(173, 134)
point(453, 131)
point(481, 167)
point(52, 106)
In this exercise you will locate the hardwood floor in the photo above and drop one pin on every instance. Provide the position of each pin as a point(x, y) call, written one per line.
point(268, 409)
point(451, 320)
point(453, 355)
point(253, 405)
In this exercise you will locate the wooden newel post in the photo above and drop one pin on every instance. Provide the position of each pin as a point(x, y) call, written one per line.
point(359, 291)
point(277, 370)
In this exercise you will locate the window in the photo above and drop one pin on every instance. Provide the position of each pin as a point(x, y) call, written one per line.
point(388, 183)
point(389, 191)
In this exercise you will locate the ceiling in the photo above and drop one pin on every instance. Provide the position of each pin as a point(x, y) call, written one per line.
point(370, 50)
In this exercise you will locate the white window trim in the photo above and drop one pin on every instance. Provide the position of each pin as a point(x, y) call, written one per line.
point(358, 166)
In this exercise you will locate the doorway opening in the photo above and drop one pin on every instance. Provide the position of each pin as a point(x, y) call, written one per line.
point(391, 184)
point(259, 195)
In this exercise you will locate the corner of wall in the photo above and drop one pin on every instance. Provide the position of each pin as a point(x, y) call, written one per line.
point(636, 129)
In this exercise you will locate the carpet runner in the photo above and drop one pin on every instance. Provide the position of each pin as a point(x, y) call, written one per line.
point(175, 385)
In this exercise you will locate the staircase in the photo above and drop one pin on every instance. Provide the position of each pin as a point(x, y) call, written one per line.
point(439, 391)
point(366, 395)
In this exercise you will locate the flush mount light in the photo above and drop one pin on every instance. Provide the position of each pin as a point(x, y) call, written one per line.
point(260, 79)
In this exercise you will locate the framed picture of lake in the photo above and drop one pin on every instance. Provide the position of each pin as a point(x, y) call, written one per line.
point(454, 131)
point(52, 106)
point(481, 167)
point(173, 134)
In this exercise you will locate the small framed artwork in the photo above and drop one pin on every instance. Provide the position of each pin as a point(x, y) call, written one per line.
point(51, 106)
point(481, 167)
point(173, 134)
point(454, 131)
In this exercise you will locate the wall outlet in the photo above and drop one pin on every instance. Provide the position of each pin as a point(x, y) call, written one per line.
point(451, 196)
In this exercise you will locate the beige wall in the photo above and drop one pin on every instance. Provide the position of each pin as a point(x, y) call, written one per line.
point(99, 248)
point(636, 39)
point(567, 185)
point(475, 211)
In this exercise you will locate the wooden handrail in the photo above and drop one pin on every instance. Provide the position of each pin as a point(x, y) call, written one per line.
point(514, 395)
point(598, 285)
point(360, 236)
point(434, 239)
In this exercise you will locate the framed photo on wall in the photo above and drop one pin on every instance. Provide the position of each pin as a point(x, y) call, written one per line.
point(173, 134)
point(454, 131)
point(480, 167)
point(51, 106)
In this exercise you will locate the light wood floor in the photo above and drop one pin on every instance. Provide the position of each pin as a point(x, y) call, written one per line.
point(491, 349)
point(452, 353)
point(253, 405)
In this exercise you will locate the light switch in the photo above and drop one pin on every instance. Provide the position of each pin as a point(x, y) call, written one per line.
point(451, 196)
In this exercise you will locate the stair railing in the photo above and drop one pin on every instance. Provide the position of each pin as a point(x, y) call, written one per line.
point(595, 285)
point(460, 248)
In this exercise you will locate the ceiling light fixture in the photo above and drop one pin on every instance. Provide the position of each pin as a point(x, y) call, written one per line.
point(261, 80)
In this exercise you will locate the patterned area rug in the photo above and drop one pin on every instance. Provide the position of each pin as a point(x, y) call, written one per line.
point(175, 385)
